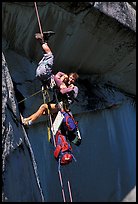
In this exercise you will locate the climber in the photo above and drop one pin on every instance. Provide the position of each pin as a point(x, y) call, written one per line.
point(66, 90)
point(44, 69)
point(55, 107)
point(65, 82)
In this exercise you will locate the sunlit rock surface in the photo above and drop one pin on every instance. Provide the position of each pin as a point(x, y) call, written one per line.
point(97, 40)
point(131, 197)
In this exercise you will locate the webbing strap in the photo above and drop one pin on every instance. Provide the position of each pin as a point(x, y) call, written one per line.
point(45, 97)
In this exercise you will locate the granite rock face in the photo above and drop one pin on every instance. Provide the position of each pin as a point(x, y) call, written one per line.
point(96, 39)
point(19, 168)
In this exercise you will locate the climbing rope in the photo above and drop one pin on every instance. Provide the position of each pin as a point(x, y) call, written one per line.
point(70, 194)
point(30, 96)
point(40, 27)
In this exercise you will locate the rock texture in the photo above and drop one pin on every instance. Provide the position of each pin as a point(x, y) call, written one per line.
point(19, 169)
point(96, 39)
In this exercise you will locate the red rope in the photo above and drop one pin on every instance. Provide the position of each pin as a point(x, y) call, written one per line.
point(38, 18)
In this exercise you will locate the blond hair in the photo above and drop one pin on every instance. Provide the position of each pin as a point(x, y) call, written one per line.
point(75, 75)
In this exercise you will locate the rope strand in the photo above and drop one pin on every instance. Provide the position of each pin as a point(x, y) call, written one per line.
point(30, 96)
point(61, 183)
point(40, 27)
point(70, 194)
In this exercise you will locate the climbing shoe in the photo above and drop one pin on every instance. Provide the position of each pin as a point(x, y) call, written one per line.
point(47, 35)
point(39, 37)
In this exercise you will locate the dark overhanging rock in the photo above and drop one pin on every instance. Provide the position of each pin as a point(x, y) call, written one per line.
point(83, 40)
